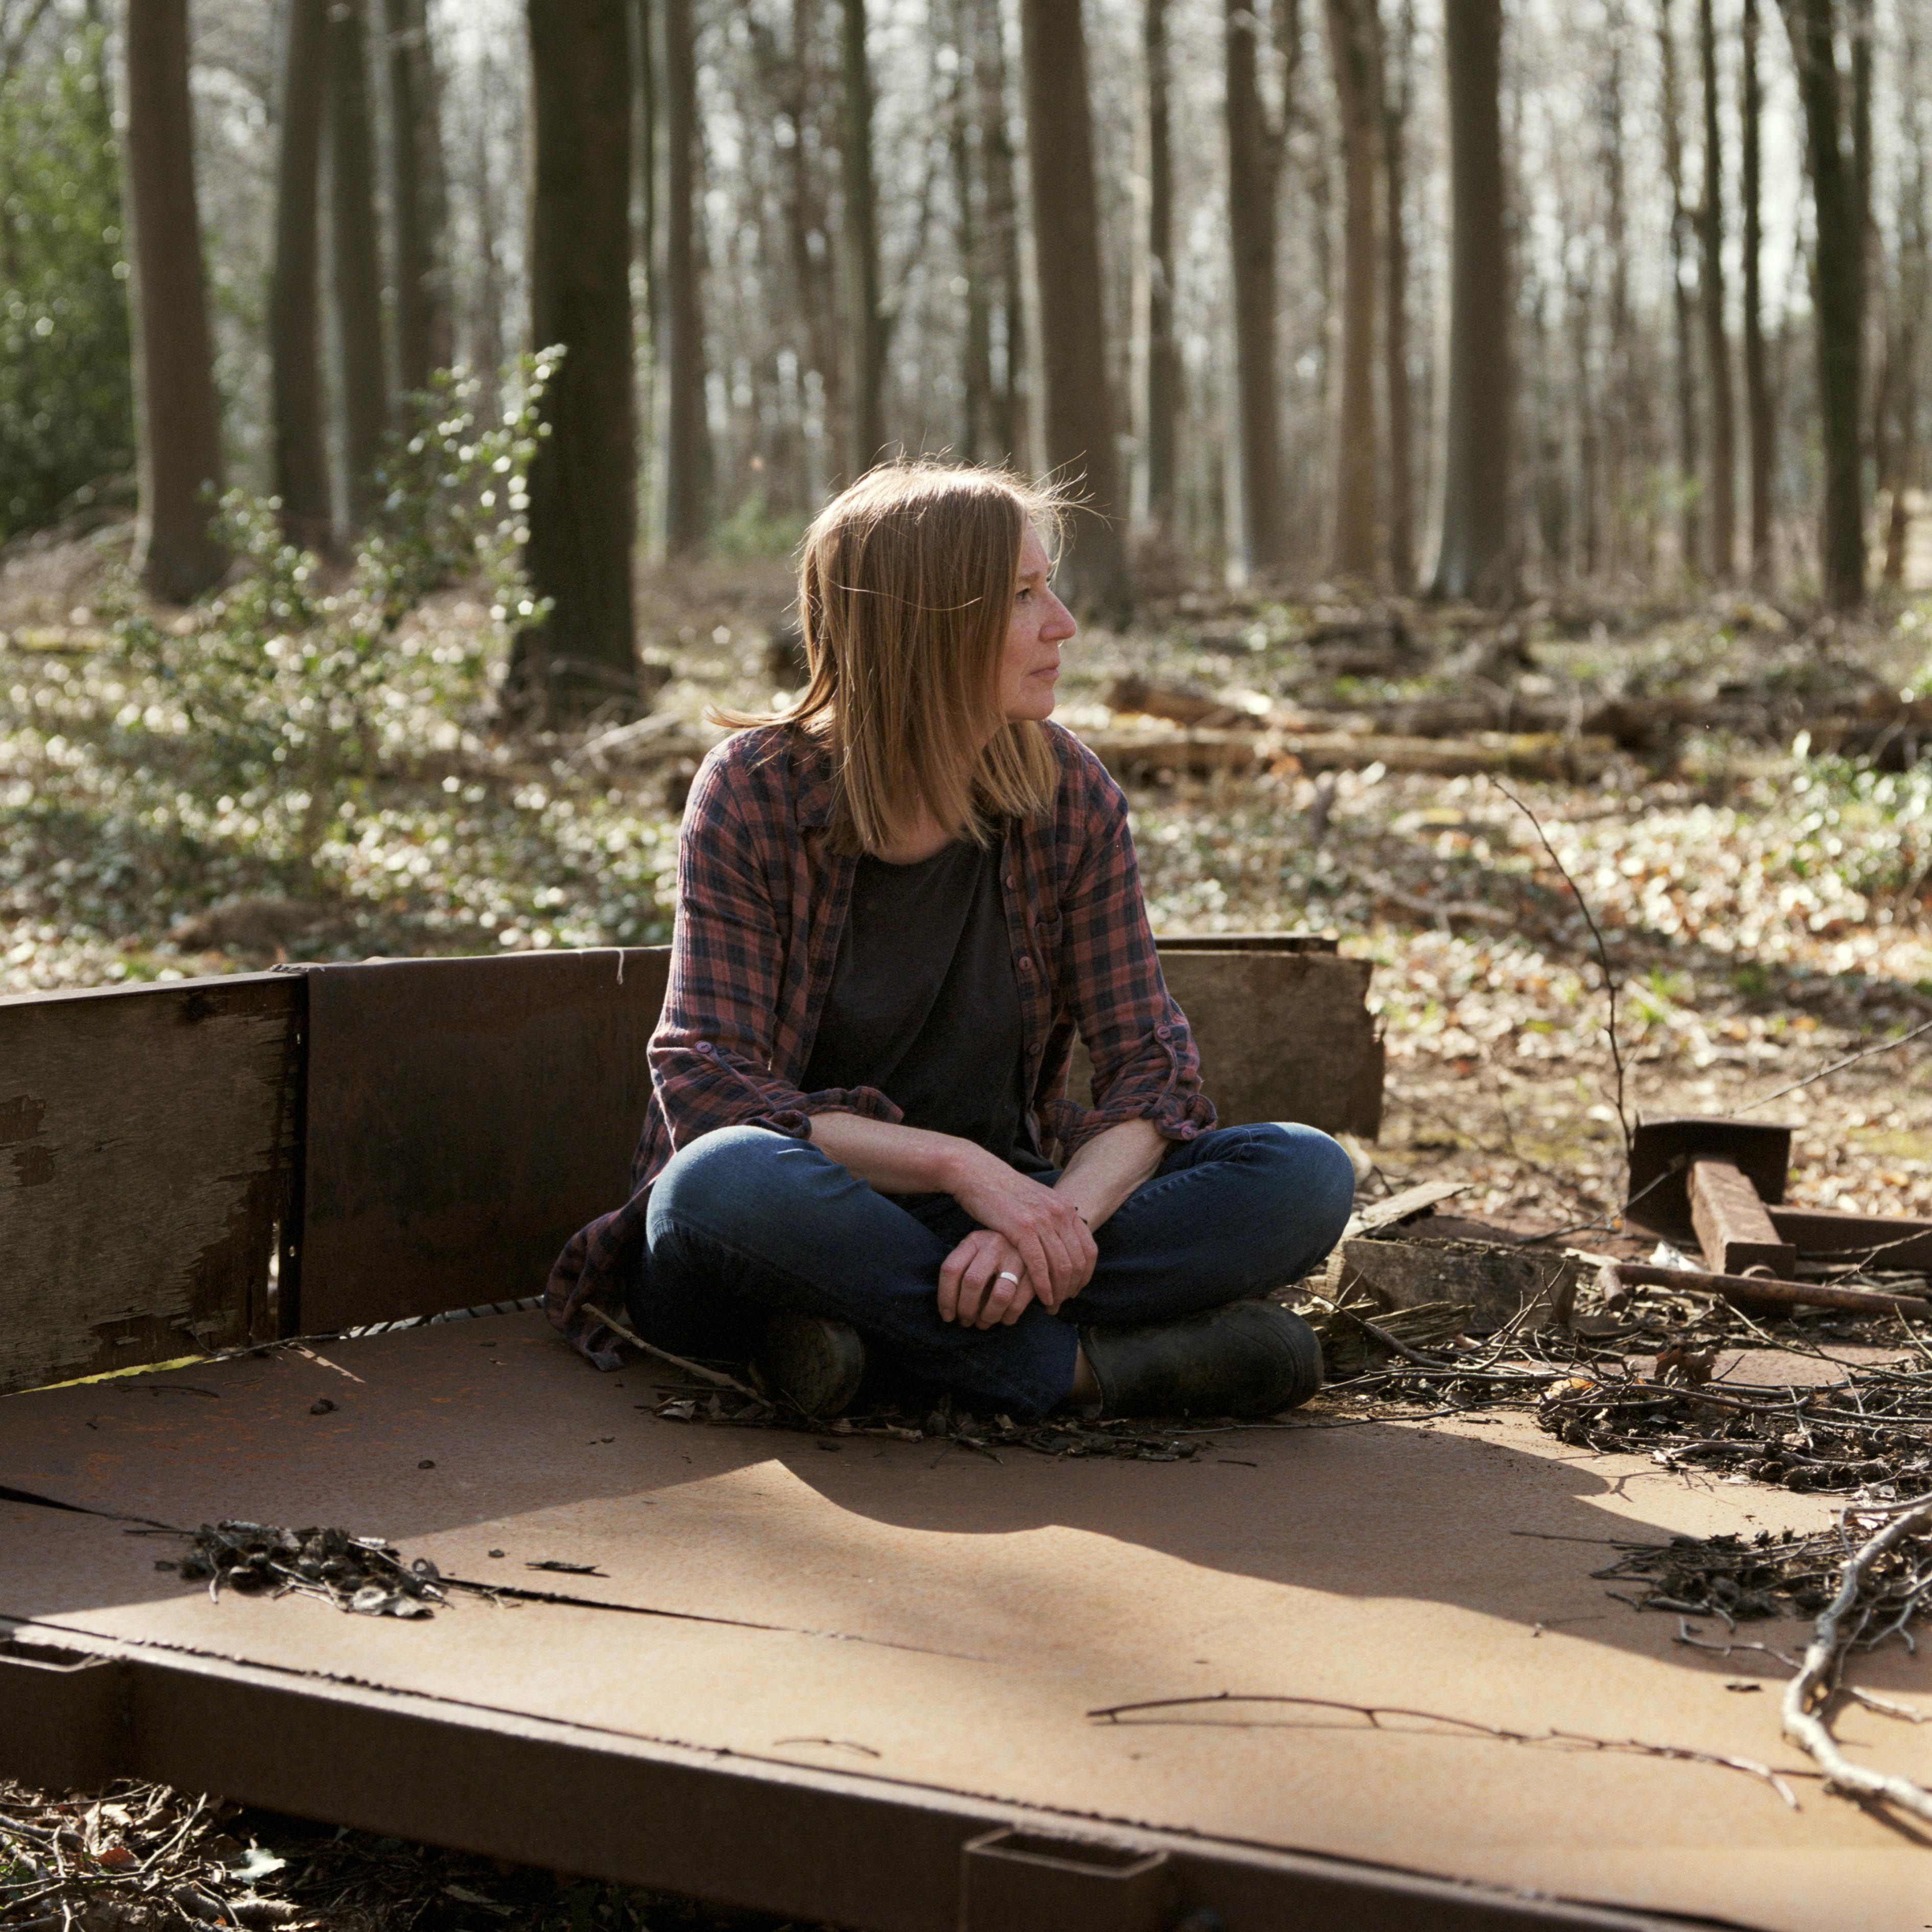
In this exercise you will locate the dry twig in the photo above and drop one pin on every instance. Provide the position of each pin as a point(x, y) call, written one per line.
point(1808, 1697)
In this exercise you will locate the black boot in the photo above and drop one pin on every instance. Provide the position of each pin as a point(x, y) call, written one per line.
point(1249, 1358)
point(812, 1361)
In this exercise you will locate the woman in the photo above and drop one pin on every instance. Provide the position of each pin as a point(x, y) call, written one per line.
point(897, 904)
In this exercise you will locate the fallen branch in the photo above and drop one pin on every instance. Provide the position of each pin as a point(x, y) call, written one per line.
point(1808, 1694)
point(1850, 1060)
point(1603, 957)
point(1372, 1714)
point(1750, 1287)
point(715, 1377)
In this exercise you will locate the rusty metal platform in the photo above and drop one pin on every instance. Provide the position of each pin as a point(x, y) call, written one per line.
point(812, 1672)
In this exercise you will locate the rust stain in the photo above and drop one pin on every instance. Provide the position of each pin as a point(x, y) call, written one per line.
point(34, 1165)
point(20, 1118)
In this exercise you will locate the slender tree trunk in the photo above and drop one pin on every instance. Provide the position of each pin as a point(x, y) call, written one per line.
point(355, 266)
point(976, 345)
point(1838, 296)
point(1003, 243)
point(422, 326)
point(177, 419)
point(1760, 422)
point(1255, 148)
point(1691, 522)
point(1352, 54)
point(1717, 342)
point(1160, 372)
point(1626, 430)
point(1395, 305)
point(487, 348)
point(583, 511)
point(1078, 416)
point(1907, 437)
point(1475, 560)
point(300, 433)
point(686, 468)
point(865, 327)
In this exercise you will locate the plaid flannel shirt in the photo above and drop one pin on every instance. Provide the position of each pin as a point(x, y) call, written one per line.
point(762, 900)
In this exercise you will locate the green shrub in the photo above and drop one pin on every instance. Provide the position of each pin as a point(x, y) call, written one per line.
point(290, 684)
point(66, 397)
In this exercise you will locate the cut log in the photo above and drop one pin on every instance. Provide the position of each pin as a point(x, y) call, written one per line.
point(1499, 1283)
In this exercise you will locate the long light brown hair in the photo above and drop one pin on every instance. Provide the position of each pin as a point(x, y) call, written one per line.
point(905, 589)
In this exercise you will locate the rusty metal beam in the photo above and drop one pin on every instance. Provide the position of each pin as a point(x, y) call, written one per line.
point(866, 1852)
point(1893, 1241)
point(1733, 1229)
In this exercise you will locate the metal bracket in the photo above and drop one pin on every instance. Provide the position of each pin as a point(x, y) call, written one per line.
point(1013, 1881)
point(63, 1713)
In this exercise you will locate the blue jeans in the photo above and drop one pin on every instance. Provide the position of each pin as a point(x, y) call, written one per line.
point(744, 1221)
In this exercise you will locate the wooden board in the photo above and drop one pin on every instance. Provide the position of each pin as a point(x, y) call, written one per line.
point(1283, 1036)
point(465, 1118)
point(146, 1137)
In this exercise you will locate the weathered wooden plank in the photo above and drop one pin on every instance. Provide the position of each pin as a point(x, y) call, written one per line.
point(1283, 1036)
point(466, 1117)
point(146, 1145)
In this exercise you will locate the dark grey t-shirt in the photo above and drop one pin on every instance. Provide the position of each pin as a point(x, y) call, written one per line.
point(924, 1004)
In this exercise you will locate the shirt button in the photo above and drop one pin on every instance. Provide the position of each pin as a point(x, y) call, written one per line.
point(1026, 964)
point(1009, 882)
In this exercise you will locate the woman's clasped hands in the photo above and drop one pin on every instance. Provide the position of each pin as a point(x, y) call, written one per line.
point(1032, 1245)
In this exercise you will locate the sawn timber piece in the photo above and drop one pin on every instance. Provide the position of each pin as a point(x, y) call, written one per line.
point(1497, 1283)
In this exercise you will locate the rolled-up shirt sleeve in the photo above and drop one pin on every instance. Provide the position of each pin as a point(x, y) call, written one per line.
point(711, 1057)
point(1145, 1065)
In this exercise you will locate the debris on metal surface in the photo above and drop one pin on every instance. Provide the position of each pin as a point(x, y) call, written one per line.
point(361, 1574)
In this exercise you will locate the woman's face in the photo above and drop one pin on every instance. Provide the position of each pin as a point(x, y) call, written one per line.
point(1037, 626)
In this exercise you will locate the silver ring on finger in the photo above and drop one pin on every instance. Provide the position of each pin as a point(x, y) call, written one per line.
point(1007, 1274)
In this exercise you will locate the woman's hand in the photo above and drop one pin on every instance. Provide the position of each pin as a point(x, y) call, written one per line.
point(983, 1282)
point(1045, 1229)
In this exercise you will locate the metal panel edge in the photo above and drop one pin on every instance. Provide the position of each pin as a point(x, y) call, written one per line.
point(861, 1852)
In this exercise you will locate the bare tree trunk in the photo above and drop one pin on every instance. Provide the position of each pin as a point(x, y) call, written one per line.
point(1760, 422)
point(1474, 561)
point(865, 325)
point(1003, 243)
point(1691, 522)
point(1838, 294)
point(976, 345)
point(1078, 416)
point(1255, 144)
point(355, 266)
point(1160, 374)
point(1627, 416)
point(486, 347)
point(1906, 440)
point(583, 511)
point(1395, 305)
point(301, 434)
point(1717, 342)
point(177, 419)
point(422, 322)
point(686, 468)
point(1353, 55)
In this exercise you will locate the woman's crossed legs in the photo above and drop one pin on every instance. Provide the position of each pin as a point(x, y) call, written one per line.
point(743, 1222)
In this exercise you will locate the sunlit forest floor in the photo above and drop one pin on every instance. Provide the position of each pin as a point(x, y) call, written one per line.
point(1765, 913)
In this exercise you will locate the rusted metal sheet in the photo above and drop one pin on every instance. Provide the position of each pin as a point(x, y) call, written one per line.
point(863, 1852)
point(1662, 1150)
point(1837, 1234)
point(147, 1138)
point(465, 1118)
point(1283, 1027)
point(803, 1681)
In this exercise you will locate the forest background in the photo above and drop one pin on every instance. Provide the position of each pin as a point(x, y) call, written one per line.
point(407, 411)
